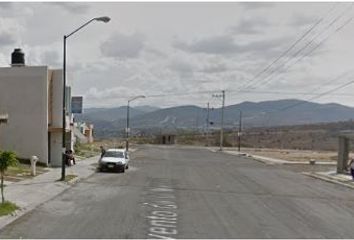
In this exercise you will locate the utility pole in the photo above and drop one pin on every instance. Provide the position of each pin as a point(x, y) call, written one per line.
point(127, 129)
point(63, 160)
point(222, 118)
point(222, 121)
point(197, 121)
point(239, 132)
point(207, 125)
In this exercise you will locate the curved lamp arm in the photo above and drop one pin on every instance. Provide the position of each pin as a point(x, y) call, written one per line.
point(104, 19)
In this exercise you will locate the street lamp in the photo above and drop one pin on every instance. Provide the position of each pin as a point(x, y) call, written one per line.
point(127, 130)
point(100, 19)
point(222, 95)
point(239, 133)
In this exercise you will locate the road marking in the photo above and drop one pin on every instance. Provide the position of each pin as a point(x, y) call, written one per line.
point(162, 216)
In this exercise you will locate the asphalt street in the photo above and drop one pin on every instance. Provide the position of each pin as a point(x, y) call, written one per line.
point(173, 192)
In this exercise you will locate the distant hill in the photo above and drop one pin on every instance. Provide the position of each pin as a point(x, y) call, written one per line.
point(146, 108)
point(254, 114)
point(112, 114)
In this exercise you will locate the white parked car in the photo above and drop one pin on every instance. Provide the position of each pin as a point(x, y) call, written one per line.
point(114, 159)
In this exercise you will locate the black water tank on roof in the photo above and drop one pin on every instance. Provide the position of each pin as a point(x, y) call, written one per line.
point(18, 57)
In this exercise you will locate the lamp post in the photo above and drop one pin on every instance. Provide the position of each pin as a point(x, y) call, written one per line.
point(207, 126)
point(100, 19)
point(222, 95)
point(127, 130)
point(239, 132)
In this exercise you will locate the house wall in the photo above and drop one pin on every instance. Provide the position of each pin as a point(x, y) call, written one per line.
point(56, 115)
point(24, 96)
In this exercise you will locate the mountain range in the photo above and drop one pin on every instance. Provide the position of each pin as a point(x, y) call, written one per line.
point(112, 121)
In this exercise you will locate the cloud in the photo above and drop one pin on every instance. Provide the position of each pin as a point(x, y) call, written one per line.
point(213, 45)
point(226, 45)
point(181, 66)
point(112, 93)
point(155, 52)
point(215, 67)
point(51, 58)
point(79, 8)
point(123, 46)
point(256, 5)
point(250, 26)
point(15, 10)
point(186, 65)
point(6, 5)
point(7, 38)
point(301, 20)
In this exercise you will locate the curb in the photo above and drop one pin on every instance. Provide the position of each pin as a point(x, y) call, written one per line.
point(8, 219)
point(275, 162)
point(328, 179)
point(241, 154)
point(73, 181)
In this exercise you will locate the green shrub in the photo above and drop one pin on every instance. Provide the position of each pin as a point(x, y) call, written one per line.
point(7, 208)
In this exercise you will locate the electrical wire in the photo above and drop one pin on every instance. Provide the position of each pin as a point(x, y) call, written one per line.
point(320, 95)
point(268, 79)
point(291, 46)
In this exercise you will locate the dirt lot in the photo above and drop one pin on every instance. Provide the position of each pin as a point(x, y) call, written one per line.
point(293, 155)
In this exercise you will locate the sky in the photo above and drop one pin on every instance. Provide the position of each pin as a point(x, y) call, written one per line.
point(184, 53)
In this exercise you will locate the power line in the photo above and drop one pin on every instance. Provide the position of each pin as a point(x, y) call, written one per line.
point(241, 91)
point(181, 94)
point(267, 114)
point(291, 46)
point(274, 71)
point(295, 93)
point(332, 81)
point(320, 95)
point(313, 49)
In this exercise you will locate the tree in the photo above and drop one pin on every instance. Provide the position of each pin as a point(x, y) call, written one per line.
point(7, 159)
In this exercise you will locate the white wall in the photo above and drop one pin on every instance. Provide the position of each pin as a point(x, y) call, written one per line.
point(56, 149)
point(24, 96)
point(57, 120)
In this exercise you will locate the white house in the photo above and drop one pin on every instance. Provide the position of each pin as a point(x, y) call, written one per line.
point(32, 96)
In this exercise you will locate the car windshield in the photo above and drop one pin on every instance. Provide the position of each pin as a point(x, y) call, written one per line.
point(114, 154)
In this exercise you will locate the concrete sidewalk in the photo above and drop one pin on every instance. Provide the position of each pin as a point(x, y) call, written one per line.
point(30, 193)
point(272, 161)
point(333, 177)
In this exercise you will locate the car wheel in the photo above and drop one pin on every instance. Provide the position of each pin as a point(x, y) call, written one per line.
point(126, 167)
point(123, 169)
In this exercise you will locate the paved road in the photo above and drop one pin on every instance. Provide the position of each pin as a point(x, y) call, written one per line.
point(191, 193)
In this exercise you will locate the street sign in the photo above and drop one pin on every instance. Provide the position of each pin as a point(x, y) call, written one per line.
point(76, 104)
